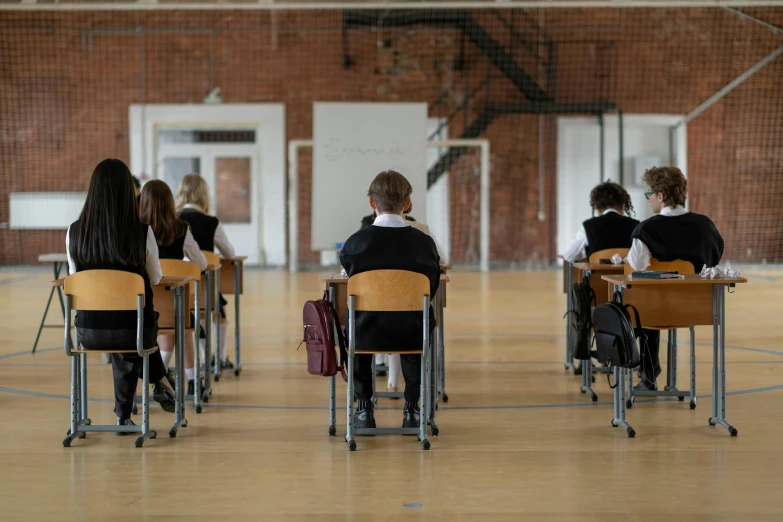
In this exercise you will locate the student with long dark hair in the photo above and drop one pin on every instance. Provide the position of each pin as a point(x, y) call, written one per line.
point(109, 236)
point(175, 241)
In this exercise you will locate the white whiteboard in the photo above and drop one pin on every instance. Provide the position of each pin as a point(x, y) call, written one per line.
point(352, 143)
point(45, 210)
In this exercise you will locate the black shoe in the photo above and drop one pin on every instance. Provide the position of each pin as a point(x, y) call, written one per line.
point(226, 365)
point(411, 416)
point(364, 417)
point(124, 422)
point(164, 397)
point(381, 370)
point(192, 387)
point(645, 385)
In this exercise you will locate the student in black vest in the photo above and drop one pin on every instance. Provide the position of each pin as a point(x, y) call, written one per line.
point(109, 236)
point(390, 244)
point(193, 206)
point(174, 242)
point(610, 229)
point(673, 233)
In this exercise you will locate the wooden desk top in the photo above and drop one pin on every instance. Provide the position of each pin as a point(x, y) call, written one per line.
point(689, 279)
point(53, 258)
point(598, 267)
point(235, 259)
point(444, 268)
point(167, 281)
point(331, 277)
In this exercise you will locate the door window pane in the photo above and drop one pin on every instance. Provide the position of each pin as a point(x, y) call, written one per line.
point(174, 169)
point(232, 187)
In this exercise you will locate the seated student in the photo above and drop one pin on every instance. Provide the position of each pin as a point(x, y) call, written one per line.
point(109, 236)
point(674, 233)
point(174, 242)
point(390, 244)
point(193, 207)
point(610, 229)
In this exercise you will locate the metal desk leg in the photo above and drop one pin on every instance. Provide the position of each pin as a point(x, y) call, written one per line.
point(332, 379)
point(432, 389)
point(619, 402)
point(671, 363)
point(569, 361)
point(237, 351)
point(693, 368)
point(587, 379)
point(207, 391)
point(179, 347)
point(84, 419)
point(719, 362)
point(197, 349)
point(441, 368)
point(57, 269)
point(218, 369)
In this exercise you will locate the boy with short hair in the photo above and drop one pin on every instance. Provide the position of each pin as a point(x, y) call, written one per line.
point(390, 243)
point(673, 233)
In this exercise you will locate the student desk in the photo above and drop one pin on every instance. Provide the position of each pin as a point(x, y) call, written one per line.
point(211, 303)
point(173, 314)
point(570, 274)
point(57, 261)
point(591, 274)
point(337, 286)
point(233, 284)
point(672, 303)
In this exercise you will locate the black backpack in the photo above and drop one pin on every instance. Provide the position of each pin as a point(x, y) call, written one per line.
point(615, 335)
point(582, 302)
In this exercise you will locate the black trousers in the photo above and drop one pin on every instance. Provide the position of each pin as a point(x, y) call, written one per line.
point(411, 372)
point(649, 351)
point(126, 367)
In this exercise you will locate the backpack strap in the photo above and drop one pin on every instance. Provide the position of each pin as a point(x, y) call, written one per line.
point(341, 343)
point(639, 331)
point(608, 377)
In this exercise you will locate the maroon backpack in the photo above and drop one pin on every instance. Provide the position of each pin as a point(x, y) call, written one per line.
point(320, 323)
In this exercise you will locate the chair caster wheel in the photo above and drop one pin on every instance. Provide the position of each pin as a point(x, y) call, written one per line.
point(709, 421)
point(582, 391)
point(445, 398)
point(629, 404)
point(425, 444)
point(236, 372)
point(217, 377)
point(566, 367)
point(631, 433)
point(593, 379)
point(332, 431)
point(352, 445)
point(681, 399)
point(87, 422)
point(595, 398)
point(577, 371)
point(139, 442)
point(198, 409)
point(67, 443)
point(733, 431)
point(435, 431)
point(83, 435)
point(693, 405)
point(205, 398)
point(173, 434)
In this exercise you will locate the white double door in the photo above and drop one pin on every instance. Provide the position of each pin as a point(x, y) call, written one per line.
point(231, 171)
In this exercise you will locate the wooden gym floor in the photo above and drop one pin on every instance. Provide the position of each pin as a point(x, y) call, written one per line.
point(518, 441)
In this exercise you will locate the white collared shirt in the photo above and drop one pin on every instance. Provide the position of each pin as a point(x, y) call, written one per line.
point(193, 252)
point(578, 248)
point(390, 221)
point(152, 263)
point(221, 239)
point(639, 256)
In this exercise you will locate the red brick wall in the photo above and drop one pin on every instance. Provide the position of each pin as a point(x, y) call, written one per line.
point(66, 83)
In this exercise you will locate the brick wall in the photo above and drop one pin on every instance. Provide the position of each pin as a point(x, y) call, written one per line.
point(67, 79)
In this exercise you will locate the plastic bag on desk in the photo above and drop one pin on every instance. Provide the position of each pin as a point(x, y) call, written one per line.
point(718, 272)
point(617, 259)
point(731, 273)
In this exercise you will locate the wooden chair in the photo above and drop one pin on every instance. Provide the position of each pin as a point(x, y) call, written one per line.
point(682, 267)
point(388, 291)
point(104, 290)
point(607, 253)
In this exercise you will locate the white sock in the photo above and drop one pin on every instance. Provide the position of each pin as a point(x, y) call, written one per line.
point(394, 370)
point(380, 358)
point(202, 348)
point(190, 373)
point(166, 356)
point(223, 328)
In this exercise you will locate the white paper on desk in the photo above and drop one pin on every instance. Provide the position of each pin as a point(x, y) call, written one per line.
point(617, 259)
point(718, 272)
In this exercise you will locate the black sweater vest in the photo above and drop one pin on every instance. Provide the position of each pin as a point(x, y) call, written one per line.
point(176, 250)
point(386, 248)
point(690, 237)
point(202, 226)
point(125, 320)
point(610, 230)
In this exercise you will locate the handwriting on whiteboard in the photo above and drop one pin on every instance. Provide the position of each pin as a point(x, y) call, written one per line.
point(338, 151)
